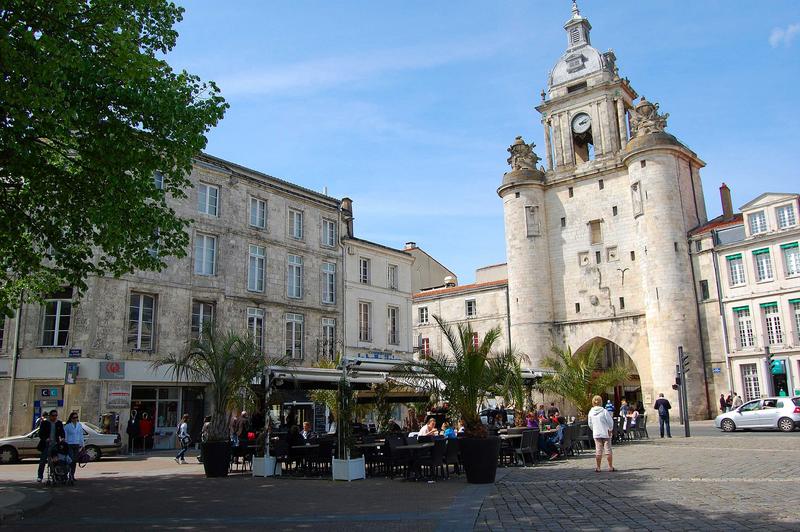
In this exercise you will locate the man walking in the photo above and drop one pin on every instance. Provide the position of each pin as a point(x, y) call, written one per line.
point(663, 407)
point(51, 431)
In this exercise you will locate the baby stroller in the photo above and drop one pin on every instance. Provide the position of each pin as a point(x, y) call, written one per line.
point(58, 465)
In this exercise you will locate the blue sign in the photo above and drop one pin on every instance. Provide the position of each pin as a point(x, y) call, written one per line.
point(778, 367)
point(75, 353)
point(716, 370)
point(378, 355)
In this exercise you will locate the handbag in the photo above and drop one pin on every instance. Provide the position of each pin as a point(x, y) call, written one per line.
point(83, 458)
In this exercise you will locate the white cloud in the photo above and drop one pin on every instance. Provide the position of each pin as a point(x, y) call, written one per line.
point(784, 36)
point(329, 72)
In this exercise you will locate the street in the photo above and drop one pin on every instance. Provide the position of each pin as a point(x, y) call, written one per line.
point(711, 481)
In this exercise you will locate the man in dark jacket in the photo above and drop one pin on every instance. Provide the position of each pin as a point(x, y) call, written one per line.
point(51, 431)
point(663, 407)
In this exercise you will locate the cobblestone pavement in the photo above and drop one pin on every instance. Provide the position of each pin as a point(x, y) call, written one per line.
point(731, 482)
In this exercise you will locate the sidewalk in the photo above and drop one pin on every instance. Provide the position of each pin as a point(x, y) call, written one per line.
point(17, 502)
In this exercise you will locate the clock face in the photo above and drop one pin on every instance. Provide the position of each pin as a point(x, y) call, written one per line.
point(581, 123)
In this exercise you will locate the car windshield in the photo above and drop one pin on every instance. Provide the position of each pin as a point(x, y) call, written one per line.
point(796, 401)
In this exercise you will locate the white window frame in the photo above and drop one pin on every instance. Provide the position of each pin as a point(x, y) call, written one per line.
point(393, 325)
point(423, 315)
point(295, 223)
point(294, 335)
point(364, 268)
point(203, 243)
point(773, 330)
point(474, 306)
point(328, 326)
point(158, 180)
point(138, 344)
point(757, 222)
point(258, 213)
point(328, 233)
point(791, 260)
point(786, 216)
point(392, 274)
point(736, 273)
point(205, 203)
point(256, 268)
point(63, 310)
point(364, 321)
point(255, 326)
point(763, 267)
point(328, 271)
point(204, 311)
point(750, 382)
point(796, 312)
point(744, 328)
point(294, 277)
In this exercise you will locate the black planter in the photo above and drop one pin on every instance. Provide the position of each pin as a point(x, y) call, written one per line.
point(479, 457)
point(216, 458)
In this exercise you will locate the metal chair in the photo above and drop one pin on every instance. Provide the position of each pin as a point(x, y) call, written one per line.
point(526, 445)
point(451, 457)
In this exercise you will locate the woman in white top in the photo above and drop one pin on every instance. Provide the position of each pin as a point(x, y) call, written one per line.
point(602, 425)
point(183, 439)
point(73, 432)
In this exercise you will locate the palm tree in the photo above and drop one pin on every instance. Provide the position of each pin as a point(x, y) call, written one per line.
point(465, 378)
point(579, 377)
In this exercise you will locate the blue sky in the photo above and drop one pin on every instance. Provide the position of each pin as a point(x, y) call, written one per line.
point(408, 107)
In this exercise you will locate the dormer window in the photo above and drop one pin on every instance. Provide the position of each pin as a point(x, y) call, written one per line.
point(758, 222)
point(786, 217)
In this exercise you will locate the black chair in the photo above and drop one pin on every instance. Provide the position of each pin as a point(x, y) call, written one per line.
point(584, 439)
point(396, 458)
point(320, 458)
point(451, 457)
point(565, 448)
point(434, 460)
point(525, 446)
point(641, 428)
point(279, 449)
point(507, 450)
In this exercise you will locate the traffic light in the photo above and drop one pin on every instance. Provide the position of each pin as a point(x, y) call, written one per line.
point(769, 355)
point(677, 383)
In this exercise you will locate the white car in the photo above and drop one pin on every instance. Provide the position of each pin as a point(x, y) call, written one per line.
point(782, 413)
point(97, 444)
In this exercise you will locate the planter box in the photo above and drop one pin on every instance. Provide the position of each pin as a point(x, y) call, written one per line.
point(264, 466)
point(348, 470)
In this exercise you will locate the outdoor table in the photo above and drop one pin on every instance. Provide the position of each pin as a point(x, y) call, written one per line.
point(304, 454)
point(372, 445)
point(510, 436)
point(414, 449)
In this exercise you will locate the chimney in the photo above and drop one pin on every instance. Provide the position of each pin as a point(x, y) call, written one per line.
point(347, 215)
point(727, 206)
point(410, 245)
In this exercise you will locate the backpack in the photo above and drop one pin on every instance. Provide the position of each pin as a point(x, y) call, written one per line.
point(662, 410)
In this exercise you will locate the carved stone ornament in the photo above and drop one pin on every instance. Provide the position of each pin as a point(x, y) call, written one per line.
point(645, 119)
point(522, 155)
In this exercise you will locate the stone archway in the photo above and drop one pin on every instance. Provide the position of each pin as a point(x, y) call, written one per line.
point(614, 355)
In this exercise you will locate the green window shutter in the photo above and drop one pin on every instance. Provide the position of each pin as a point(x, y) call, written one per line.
point(734, 257)
point(737, 309)
point(760, 251)
point(790, 245)
point(767, 305)
point(794, 301)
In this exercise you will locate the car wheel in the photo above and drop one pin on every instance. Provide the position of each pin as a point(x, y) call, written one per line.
point(93, 453)
point(786, 424)
point(728, 425)
point(8, 455)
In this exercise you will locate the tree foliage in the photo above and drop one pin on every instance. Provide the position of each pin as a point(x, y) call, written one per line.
point(89, 112)
point(579, 377)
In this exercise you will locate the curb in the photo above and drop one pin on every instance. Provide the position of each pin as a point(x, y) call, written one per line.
point(32, 501)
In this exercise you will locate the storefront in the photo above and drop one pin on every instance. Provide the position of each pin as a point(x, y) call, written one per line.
point(158, 410)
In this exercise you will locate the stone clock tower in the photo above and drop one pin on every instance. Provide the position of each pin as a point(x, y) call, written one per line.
point(596, 240)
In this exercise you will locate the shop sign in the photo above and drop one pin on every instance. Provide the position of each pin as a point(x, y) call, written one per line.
point(50, 393)
point(75, 353)
point(119, 395)
point(377, 355)
point(112, 370)
point(71, 374)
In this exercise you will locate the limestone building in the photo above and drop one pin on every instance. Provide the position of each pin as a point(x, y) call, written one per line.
point(596, 240)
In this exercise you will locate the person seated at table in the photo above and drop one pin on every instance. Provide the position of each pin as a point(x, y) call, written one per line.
point(531, 422)
point(393, 427)
point(448, 431)
point(633, 417)
point(294, 438)
point(460, 428)
point(429, 429)
point(551, 444)
point(307, 433)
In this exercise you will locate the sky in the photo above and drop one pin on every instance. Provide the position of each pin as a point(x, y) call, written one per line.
point(408, 107)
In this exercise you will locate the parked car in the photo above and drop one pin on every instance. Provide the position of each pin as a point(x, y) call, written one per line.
point(97, 444)
point(486, 413)
point(782, 413)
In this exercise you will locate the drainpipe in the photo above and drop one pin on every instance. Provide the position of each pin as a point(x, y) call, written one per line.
point(702, 347)
point(726, 341)
point(508, 317)
point(15, 350)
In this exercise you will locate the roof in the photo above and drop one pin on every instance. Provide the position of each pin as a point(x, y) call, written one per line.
point(417, 248)
point(459, 289)
point(717, 223)
point(493, 266)
point(370, 243)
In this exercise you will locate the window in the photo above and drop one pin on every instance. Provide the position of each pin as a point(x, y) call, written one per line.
point(255, 326)
point(633, 255)
point(392, 275)
point(614, 210)
point(258, 213)
point(158, 180)
point(675, 245)
point(294, 277)
point(141, 321)
point(698, 245)
point(571, 192)
point(763, 265)
point(476, 342)
point(744, 327)
point(596, 232)
point(758, 222)
point(643, 164)
point(55, 322)
point(423, 315)
point(786, 217)
point(394, 325)
point(636, 199)
point(294, 335)
point(256, 266)
point(328, 338)
point(425, 346)
point(622, 303)
point(563, 222)
point(795, 304)
point(704, 294)
point(577, 307)
point(202, 316)
point(772, 319)
point(364, 321)
point(295, 224)
point(597, 257)
point(532, 224)
point(2, 329)
point(328, 232)
point(328, 283)
point(574, 35)
point(471, 308)
point(752, 389)
point(735, 270)
point(791, 258)
point(208, 199)
point(363, 270)
point(205, 254)
point(601, 184)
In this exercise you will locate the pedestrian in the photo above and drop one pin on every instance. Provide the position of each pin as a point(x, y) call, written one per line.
point(610, 406)
point(663, 407)
point(183, 439)
point(51, 431)
point(623, 409)
point(602, 425)
point(73, 433)
point(132, 430)
point(728, 403)
point(204, 432)
point(41, 418)
point(737, 400)
point(723, 405)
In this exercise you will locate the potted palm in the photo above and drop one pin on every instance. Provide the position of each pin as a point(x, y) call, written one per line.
point(228, 363)
point(464, 379)
point(343, 466)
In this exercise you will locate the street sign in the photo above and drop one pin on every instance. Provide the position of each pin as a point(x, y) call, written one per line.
point(716, 371)
point(75, 353)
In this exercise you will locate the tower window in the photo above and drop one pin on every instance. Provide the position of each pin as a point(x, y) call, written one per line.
point(516, 194)
point(633, 255)
point(622, 303)
point(596, 232)
point(601, 184)
point(597, 257)
point(577, 307)
point(704, 294)
point(575, 35)
point(643, 163)
point(563, 222)
point(576, 87)
point(532, 220)
point(614, 210)
point(571, 192)
point(676, 246)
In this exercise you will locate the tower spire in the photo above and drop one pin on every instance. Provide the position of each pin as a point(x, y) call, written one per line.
point(577, 28)
point(575, 11)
